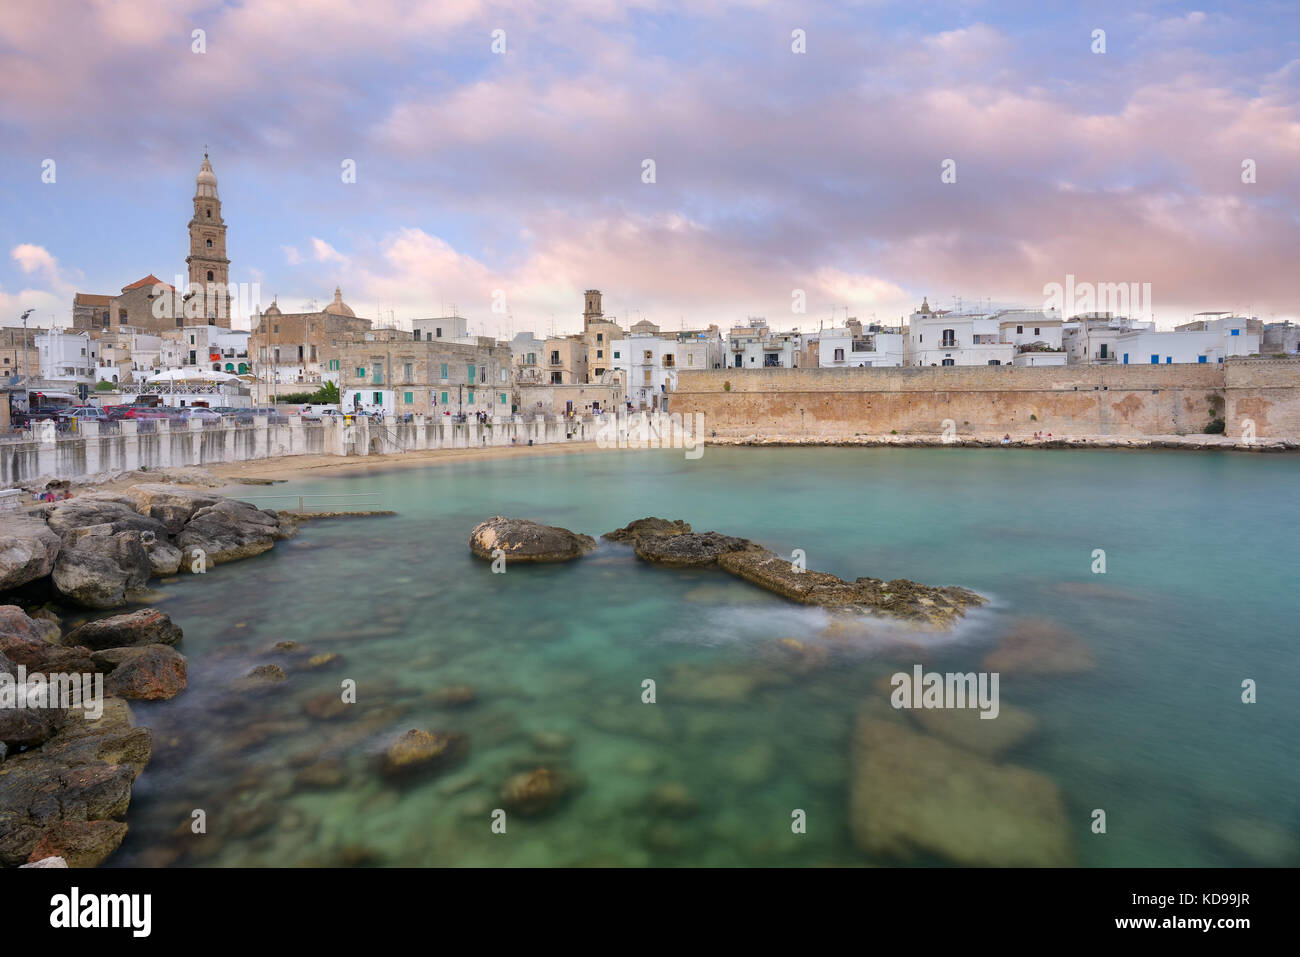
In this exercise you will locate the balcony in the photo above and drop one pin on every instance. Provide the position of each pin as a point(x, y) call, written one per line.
point(949, 344)
point(1098, 357)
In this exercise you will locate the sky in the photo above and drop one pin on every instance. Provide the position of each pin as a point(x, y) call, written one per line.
point(503, 182)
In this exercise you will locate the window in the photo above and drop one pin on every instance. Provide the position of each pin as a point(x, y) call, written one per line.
point(1037, 331)
point(444, 398)
point(472, 372)
point(361, 370)
point(600, 354)
point(1235, 332)
point(440, 332)
point(210, 275)
point(839, 355)
point(1202, 359)
point(444, 373)
point(949, 362)
point(1169, 360)
point(275, 328)
point(647, 356)
point(208, 213)
point(555, 357)
point(503, 398)
point(616, 355)
point(408, 373)
point(379, 374)
point(334, 364)
point(600, 336)
point(531, 359)
point(209, 244)
point(1155, 360)
point(1021, 329)
point(471, 396)
point(949, 338)
point(995, 362)
point(378, 398)
point(1126, 358)
point(690, 358)
point(409, 397)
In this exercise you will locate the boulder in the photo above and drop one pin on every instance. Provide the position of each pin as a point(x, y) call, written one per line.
point(228, 531)
point(164, 558)
point(148, 626)
point(690, 549)
point(59, 800)
point(28, 549)
point(169, 504)
point(17, 623)
point(418, 752)
point(912, 794)
point(98, 508)
point(99, 568)
point(145, 672)
point(23, 722)
point(522, 540)
point(31, 642)
point(633, 532)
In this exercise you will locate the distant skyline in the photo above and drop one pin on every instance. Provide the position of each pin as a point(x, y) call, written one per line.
point(522, 172)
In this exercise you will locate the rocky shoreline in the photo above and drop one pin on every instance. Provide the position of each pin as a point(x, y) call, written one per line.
point(66, 777)
point(1194, 444)
point(673, 544)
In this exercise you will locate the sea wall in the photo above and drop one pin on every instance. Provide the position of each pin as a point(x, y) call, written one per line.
point(161, 443)
point(1133, 401)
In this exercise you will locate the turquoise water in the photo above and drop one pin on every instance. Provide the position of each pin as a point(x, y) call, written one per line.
point(1198, 595)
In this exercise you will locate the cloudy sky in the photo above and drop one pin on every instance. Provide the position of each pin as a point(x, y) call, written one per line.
point(774, 171)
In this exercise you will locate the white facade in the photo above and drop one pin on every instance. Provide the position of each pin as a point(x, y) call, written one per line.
point(847, 347)
point(954, 339)
point(1093, 338)
point(67, 356)
point(528, 358)
point(699, 350)
point(755, 346)
point(648, 365)
point(454, 328)
point(1218, 340)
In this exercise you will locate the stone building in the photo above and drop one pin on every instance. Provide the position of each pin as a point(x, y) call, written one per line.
point(390, 371)
point(566, 359)
point(600, 332)
point(288, 347)
point(18, 355)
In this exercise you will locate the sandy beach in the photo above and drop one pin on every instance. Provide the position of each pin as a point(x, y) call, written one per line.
point(285, 467)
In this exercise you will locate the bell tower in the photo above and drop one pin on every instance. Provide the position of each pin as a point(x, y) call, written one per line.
point(209, 269)
point(591, 307)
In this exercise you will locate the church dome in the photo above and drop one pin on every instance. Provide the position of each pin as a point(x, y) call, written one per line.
point(338, 307)
point(272, 309)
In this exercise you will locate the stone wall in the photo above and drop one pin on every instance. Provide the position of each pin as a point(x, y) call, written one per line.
point(1120, 401)
point(171, 445)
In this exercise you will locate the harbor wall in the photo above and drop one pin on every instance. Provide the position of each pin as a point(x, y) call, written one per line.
point(981, 402)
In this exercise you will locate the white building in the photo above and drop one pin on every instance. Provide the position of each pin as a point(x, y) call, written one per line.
point(454, 328)
point(648, 366)
point(945, 338)
point(699, 349)
point(1202, 341)
point(851, 346)
point(1091, 338)
point(1035, 334)
point(67, 356)
point(528, 359)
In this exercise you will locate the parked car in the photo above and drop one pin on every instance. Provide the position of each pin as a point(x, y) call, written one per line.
point(86, 413)
point(247, 415)
point(202, 413)
point(136, 412)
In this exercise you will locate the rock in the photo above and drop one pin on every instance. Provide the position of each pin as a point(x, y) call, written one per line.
point(164, 558)
point(99, 568)
point(148, 626)
point(690, 549)
point(16, 623)
point(673, 800)
point(168, 504)
point(33, 722)
point(912, 793)
point(263, 676)
point(99, 508)
point(418, 752)
point(228, 531)
point(1039, 646)
point(54, 799)
point(321, 660)
point(536, 792)
point(899, 598)
point(79, 843)
point(991, 737)
point(522, 540)
point(633, 532)
point(453, 696)
point(143, 672)
point(46, 862)
point(326, 705)
point(28, 550)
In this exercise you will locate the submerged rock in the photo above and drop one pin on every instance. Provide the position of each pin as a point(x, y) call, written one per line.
point(911, 793)
point(1039, 646)
point(419, 752)
point(691, 549)
point(148, 626)
point(991, 737)
point(522, 540)
point(536, 792)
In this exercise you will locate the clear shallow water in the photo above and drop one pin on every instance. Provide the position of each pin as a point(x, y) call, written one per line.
point(1198, 595)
